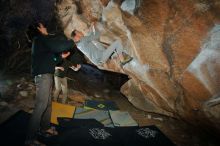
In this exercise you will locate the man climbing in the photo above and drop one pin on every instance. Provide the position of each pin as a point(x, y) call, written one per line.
point(95, 51)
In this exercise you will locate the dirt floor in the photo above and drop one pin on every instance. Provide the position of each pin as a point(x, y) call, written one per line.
point(20, 95)
point(181, 133)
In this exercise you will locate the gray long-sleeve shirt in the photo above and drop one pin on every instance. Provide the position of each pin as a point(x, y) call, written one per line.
point(90, 48)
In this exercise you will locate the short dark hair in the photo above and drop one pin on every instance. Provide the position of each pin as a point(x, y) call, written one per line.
point(73, 33)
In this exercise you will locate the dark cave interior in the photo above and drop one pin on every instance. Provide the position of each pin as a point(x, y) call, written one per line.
point(173, 76)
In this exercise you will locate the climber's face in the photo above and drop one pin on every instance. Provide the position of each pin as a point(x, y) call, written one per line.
point(78, 36)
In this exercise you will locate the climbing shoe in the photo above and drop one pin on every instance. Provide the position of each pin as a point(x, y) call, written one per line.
point(127, 59)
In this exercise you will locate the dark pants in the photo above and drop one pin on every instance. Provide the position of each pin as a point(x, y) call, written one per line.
point(40, 119)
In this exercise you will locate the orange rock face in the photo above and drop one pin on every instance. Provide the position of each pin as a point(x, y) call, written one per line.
point(176, 50)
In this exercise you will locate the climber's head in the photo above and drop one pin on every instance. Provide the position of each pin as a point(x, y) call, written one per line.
point(76, 35)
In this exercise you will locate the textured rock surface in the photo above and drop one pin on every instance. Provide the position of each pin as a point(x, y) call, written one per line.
point(172, 72)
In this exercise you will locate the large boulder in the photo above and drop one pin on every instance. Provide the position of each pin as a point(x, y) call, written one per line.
point(175, 70)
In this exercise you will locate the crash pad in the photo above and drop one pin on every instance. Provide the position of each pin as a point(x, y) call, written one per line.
point(61, 110)
point(101, 105)
point(70, 123)
point(105, 136)
point(100, 115)
point(13, 131)
point(122, 119)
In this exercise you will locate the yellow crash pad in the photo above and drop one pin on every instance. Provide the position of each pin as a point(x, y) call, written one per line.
point(61, 110)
